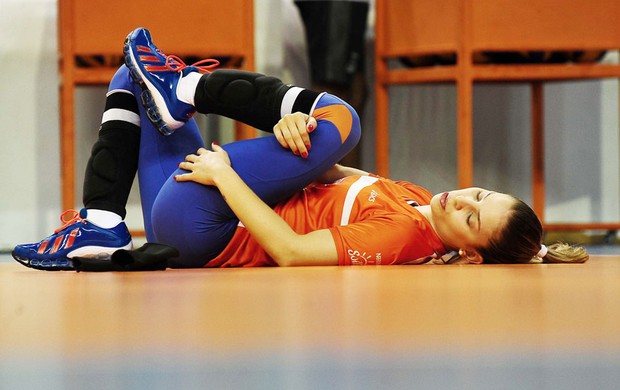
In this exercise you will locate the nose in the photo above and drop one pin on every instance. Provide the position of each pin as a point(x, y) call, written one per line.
point(461, 202)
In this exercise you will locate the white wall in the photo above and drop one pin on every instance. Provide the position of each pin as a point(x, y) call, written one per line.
point(581, 127)
point(29, 156)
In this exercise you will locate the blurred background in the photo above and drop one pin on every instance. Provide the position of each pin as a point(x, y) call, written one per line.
point(581, 125)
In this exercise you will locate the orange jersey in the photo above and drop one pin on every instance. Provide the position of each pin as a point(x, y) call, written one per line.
point(371, 219)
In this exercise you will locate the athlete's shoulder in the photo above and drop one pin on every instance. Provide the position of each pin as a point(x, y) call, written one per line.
point(418, 193)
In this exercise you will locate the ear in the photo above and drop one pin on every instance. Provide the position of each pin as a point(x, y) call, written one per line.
point(472, 256)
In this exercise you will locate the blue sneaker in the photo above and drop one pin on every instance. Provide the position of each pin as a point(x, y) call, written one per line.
point(158, 75)
point(76, 238)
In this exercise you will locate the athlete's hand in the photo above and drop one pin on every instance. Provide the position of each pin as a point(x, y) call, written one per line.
point(293, 132)
point(204, 165)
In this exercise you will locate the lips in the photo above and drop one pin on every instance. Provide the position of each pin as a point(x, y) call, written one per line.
point(443, 200)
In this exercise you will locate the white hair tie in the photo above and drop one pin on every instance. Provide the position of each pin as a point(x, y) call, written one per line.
point(542, 252)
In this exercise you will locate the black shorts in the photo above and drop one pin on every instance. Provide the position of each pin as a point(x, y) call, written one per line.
point(335, 33)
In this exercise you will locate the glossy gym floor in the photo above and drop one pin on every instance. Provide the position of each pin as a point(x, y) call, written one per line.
point(402, 327)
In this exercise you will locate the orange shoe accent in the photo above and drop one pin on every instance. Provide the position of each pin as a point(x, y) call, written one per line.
point(71, 237)
point(155, 68)
point(43, 246)
point(75, 217)
point(177, 64)
point(57, 243)
point(149, 58)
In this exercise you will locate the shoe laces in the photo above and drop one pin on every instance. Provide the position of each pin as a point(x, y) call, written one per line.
point(74, 216)
point(176, 64)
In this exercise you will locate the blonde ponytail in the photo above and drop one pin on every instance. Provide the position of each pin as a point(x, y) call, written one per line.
point(563, 253)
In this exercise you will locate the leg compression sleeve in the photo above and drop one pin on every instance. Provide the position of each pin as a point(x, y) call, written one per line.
point(113, 161)
point(251, 98)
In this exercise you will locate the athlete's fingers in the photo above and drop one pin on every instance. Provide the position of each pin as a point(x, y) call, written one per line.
point(301, 122)
point(305, 124)
point(286, 138)
point(296, 123)
point(292, 132)
point(201, 151)
point(311, 124)
point(184, 177)
point(279, 137)
point(216, 148)
point(303, 137)
point(277, 131)
point(220, 153)
point(191, 158)
point(290, 142)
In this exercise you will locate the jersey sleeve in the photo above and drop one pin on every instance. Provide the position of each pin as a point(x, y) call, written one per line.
point(386, 240)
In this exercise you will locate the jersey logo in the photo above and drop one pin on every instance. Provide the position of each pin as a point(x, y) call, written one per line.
point(373, 196)
point(362, 258)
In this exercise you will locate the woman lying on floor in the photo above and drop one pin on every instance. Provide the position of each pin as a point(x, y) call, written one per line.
point(276, 200)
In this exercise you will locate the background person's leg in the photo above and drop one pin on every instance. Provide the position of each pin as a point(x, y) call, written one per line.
point(335, 40)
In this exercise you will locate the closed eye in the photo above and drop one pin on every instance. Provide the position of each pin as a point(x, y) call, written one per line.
point(480, 199)
point(471, 215)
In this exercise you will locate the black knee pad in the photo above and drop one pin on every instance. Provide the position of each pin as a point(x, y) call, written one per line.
point(102, 165)
point(239, 88)
point(252, 98)
point(233, 88)
point(111, 170)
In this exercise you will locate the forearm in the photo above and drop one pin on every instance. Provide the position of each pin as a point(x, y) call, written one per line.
point(272, 232)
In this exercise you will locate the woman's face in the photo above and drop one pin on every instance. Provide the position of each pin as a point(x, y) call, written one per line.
point(467, 219)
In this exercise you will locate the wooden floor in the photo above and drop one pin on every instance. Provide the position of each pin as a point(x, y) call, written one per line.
point(482, 327)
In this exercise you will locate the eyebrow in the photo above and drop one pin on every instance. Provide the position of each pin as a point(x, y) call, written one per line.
point(486, 196)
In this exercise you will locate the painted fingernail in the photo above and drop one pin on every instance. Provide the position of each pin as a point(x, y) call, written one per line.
point(304, 155)
point(296, 153)
point(310, 127)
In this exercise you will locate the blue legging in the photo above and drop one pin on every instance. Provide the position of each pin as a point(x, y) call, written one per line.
point(195, 218)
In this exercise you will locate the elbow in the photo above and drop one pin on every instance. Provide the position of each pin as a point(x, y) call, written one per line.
point(287, 256)
point(284, 262)
point(285, 259)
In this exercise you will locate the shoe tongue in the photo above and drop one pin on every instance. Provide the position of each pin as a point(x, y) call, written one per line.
point(189, 69)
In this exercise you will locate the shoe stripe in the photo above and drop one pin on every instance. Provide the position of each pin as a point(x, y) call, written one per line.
point(156, 68)
point(71, 238)
point(150, 59)
point(143, 48)
point(43, 246)
point(57, 243)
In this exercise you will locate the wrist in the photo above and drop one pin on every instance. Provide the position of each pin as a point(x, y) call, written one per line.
point(223, 174)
